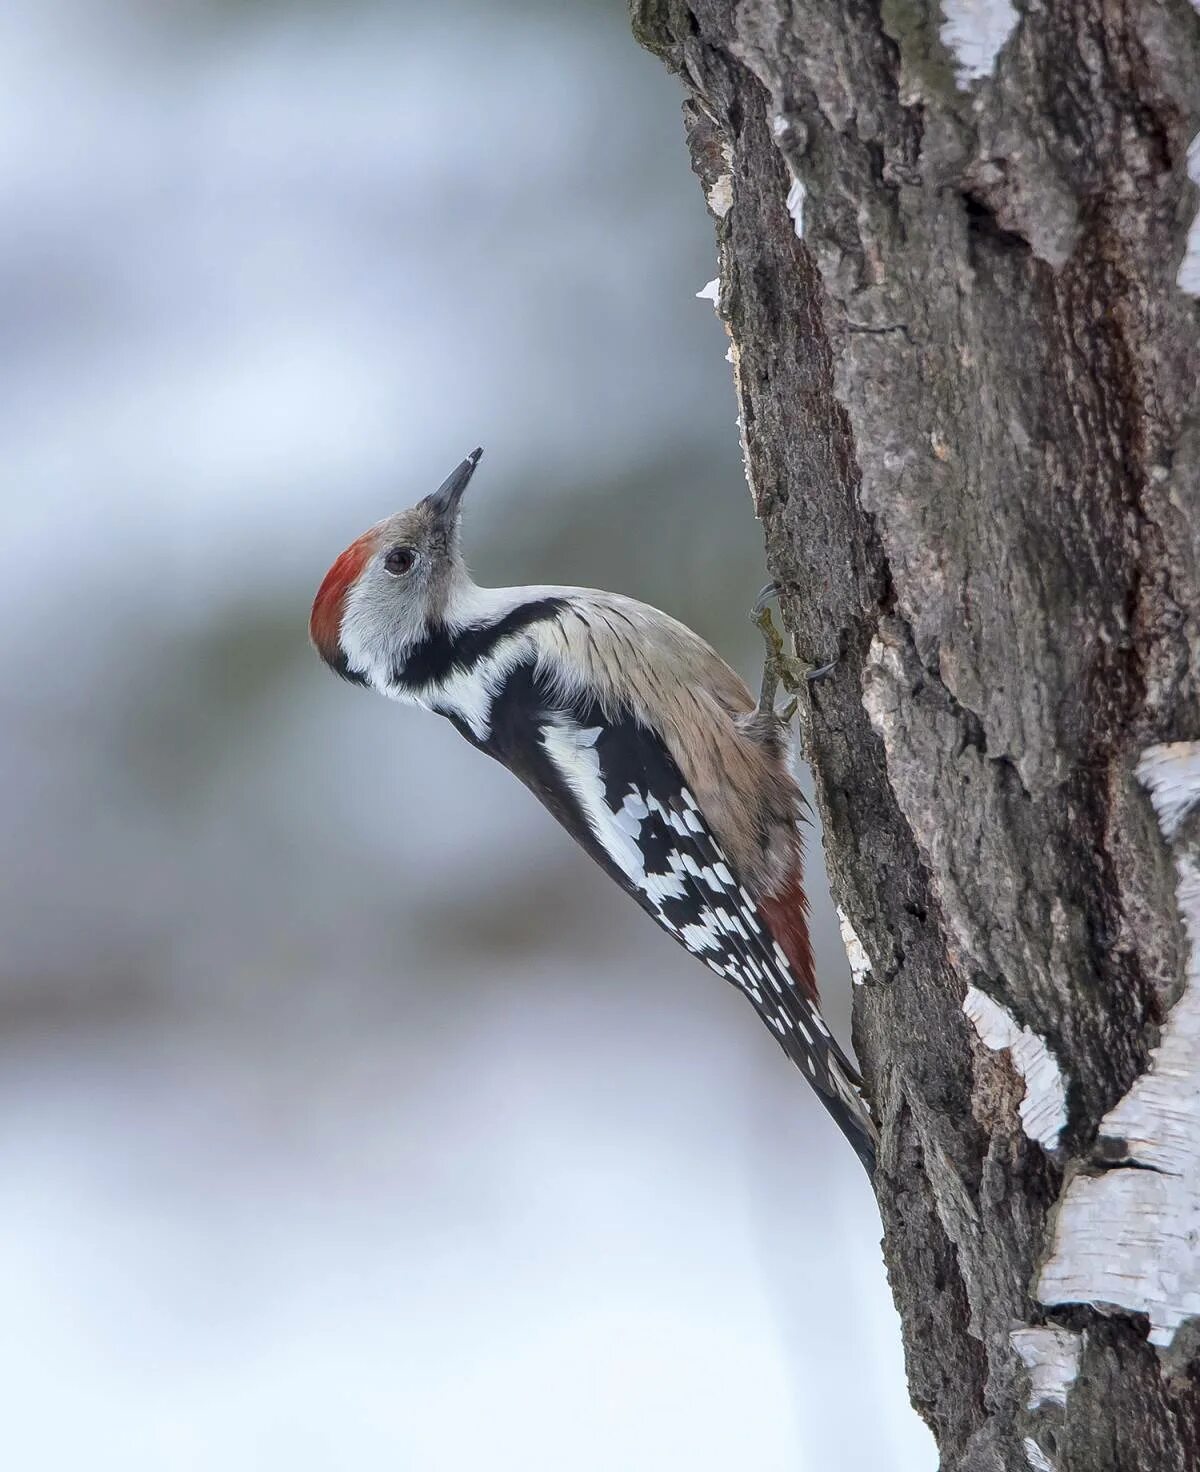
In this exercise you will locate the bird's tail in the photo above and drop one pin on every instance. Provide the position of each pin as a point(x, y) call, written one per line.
point(813, 1049)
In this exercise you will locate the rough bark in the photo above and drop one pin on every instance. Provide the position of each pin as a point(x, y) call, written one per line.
point(969, 405)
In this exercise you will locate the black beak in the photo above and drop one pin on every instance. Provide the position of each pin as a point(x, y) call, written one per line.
point(444, 501)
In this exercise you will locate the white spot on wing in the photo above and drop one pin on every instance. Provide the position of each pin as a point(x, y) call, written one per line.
point(659, 887)
point(700, 936)
point(817, 1020)
point(633, 813)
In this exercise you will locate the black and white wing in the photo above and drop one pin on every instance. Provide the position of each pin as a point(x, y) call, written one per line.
point(615, 786)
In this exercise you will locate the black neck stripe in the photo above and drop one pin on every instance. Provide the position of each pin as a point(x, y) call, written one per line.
point(440, 653)
point(340, 665)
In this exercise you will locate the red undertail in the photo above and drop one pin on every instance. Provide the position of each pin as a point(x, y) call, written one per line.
point(786, 912)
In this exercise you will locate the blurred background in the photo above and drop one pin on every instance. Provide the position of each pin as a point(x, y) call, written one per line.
point(348, 1116)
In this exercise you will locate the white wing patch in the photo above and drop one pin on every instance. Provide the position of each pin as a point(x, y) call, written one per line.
point(660, 843)
point(723, 929)
point(572, 749)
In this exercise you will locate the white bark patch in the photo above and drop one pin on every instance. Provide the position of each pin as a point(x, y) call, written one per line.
point(1160, 1116)
point(1126, 1239)
point(1051, 1355)
point(1189, 271)
point(1131, 1237)
point(735, 358)
point(1036, 1457)
point(1171, 775)
point(880, 700)
point(856, 952)
point(797, 194)
point(720, 196)
point(797, 190)
point(975, 31)
point(1044, 1108)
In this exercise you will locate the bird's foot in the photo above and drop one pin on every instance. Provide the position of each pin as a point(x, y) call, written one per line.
point(780, 667)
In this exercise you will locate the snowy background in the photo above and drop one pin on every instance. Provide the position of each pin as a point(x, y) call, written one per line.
point(348, 1116)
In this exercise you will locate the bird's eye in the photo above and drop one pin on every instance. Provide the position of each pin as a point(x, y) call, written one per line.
point(400, 560)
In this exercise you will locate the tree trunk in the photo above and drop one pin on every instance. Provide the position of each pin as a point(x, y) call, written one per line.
point(955, 270)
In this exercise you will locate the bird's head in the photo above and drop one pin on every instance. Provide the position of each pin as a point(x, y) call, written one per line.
point(393, 585)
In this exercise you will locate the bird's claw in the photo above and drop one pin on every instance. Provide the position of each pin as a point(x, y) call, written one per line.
point(779, 667)
point(766, 595)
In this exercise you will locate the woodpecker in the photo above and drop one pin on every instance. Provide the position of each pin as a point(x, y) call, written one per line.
point(630, 729)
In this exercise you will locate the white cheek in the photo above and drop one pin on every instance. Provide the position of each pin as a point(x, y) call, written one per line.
point(381, 620)
point(355, 646)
